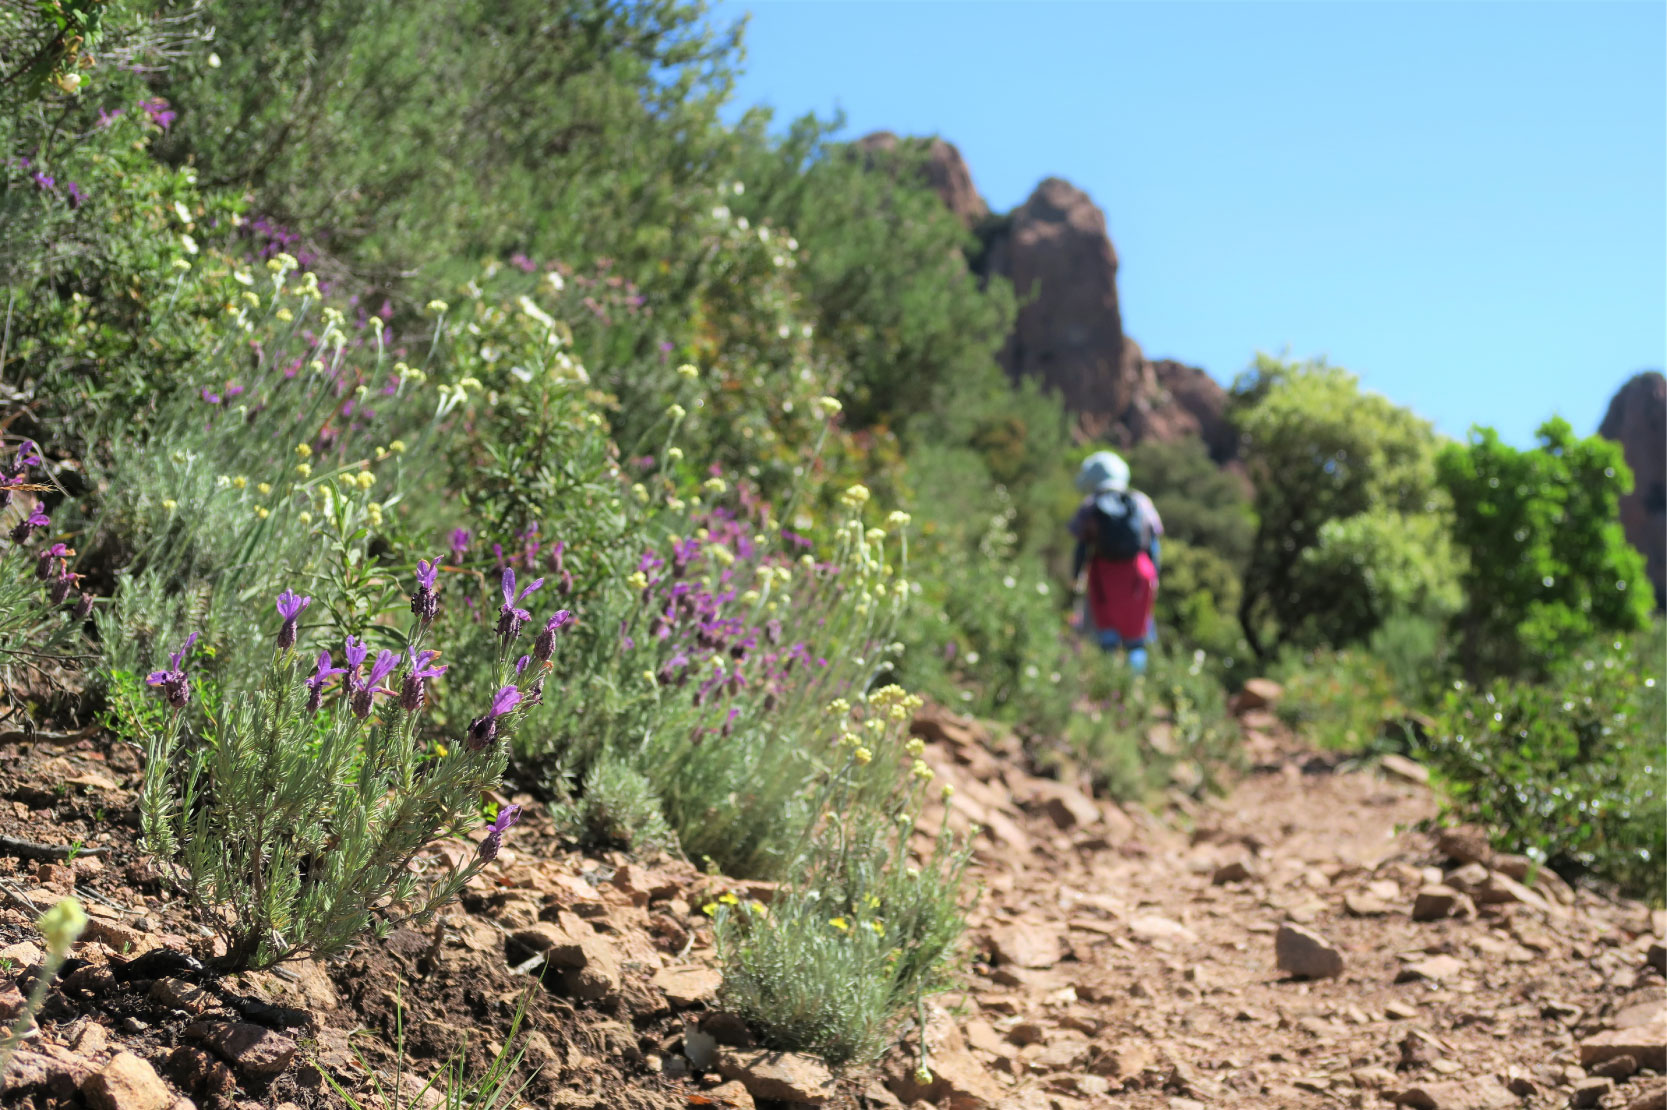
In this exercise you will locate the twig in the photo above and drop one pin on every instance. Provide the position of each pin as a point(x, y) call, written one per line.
point(32, 849)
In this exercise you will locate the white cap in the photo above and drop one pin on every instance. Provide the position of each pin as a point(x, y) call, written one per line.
point(1102, 471)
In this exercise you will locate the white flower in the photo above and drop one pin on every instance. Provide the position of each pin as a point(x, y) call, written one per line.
point(535, 312)
point(188, 243)
point(554, 281)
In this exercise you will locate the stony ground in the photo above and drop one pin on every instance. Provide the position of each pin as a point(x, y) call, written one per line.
point(1295, 944)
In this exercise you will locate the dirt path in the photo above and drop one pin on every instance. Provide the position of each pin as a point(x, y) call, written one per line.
point(1133, 963)
point(1119, 960)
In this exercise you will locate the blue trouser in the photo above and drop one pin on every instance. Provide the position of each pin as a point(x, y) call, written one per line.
point(1110, 641)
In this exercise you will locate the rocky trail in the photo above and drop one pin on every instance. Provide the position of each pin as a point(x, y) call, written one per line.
point(1297, 943)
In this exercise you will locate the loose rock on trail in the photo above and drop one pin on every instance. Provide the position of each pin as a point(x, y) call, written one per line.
point(1294, 944)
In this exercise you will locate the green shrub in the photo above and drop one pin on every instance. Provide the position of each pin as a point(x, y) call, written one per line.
point(867, 927)
point(1337, 700)
point(1567, 771)
point(1550, 567)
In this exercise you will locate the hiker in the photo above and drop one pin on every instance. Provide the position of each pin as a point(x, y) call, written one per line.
point(1117, 532)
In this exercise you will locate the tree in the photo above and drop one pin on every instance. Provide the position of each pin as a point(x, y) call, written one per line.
point(1350, 522)
point(1550, 565)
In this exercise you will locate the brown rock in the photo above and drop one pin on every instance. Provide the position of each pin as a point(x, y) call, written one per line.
point(1457, 1094)
point(1409, 770)
point(45, 1066)
point(688, 986)
point(1436, 967)
point(1069, 335)
point(254, 1050)
point(1027, 944)
point(1360, 904)
point(1589, 1092)
point(21, 955)
point(1304, 954)
point(126, 1083)
point(1124, 1060)
point(1616, 1067)
point(1637, 420)
point(732, 1095)
point(943, 170)
point(1066, 806)
point(1650, 1100)
point(1151, 927)
point(177, 994)
point(1656, 957)
point(1646, 1044)
point(123, 939)
point(1436, 902)
point(558, 941)
point(1464, 844)
point(983, 1036)
point(1260, 693)
point(1234, 871)
point(787, 1076)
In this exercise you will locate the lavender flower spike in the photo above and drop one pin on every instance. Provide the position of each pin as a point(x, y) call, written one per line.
point(545, 645)
point(35, 519)
point(175, 686)
point(290, 605)
point(412, 695)
point(27, 456)
point(510, 616)
point(365, 690)
point(315, 684)
point(482, 730)
point(507, 816)
point(425, 603)
point(43, 559)
point(355, 653)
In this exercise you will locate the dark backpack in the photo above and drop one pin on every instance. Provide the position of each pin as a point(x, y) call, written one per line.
point(1120, 536)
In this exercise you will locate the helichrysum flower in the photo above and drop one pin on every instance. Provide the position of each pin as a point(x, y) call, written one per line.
point(830, 406)
point(425, 602)
point(176, 687)
point(855, 497)
point(863, 756)
point(320, 676)
point(921, 771)
point(915, 746)
point(483, 729)
point(689, 371)
point(290, 606)
point(437, 307)
point(676, 411)
point(412, 694)
point(494, 840)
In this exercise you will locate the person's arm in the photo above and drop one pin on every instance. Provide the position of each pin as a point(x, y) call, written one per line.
point(1078, 558)
point(1154, 552)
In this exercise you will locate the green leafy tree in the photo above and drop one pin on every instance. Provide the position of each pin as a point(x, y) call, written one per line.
point(1350, 521)
point(1550, 566)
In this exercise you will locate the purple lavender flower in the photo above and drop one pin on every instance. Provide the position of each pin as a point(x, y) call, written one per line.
point(355, 653)
point(545, 645)
point(290, 605)
point(59, 588)
point(43, 180)
point(27, 456)
point(510, 616)
point(159, 112)
point(36, 519)
point(315, 684)
point(366, 689)
point(43, 559)
point(175, 686)
point(507, 816)
point(557, 563)
point(83, 607)
point(412, 695)
point(76, 196)
point(482, 730)
point(459, 544)
point(425, 603)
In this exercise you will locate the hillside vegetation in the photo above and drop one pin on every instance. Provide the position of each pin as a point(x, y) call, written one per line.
point(404, 402)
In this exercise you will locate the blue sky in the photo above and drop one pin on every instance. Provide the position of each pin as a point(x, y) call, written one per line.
point(1466, 204)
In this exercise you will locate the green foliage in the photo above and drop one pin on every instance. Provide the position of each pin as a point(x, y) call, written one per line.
point(867, 927)
point(1550, 566)
point(1341, 700)
point(1138, 734)
point(616, 808)
point(1350, 523)
point(1201, 504)
point(1569, 771)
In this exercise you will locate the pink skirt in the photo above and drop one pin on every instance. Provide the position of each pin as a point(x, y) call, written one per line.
point(1121, 595)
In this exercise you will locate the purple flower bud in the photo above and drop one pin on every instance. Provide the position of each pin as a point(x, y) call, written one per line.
point(315, 684)
point(412, 694)
point(59, 588)
point(545, 645)
point(290, 605)
point(36, 519)
point(482, 730)
point(425, 603)
point(175, 686)
point(459, 545)
point(43, 559)
point(83, 607)
point(364, 692)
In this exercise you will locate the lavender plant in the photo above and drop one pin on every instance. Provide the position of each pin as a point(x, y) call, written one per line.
point(298, 820)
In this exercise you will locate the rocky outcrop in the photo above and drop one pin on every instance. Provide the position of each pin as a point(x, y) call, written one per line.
point(944, 171)
point(1637, 420)
point(1069, 331)
point(1175, 401)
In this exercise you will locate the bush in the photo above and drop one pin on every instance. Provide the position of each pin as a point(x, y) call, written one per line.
point(1567, 771)
point(1550, 566)
point(293, 827)
point(1338, 700)
point(867, 926)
